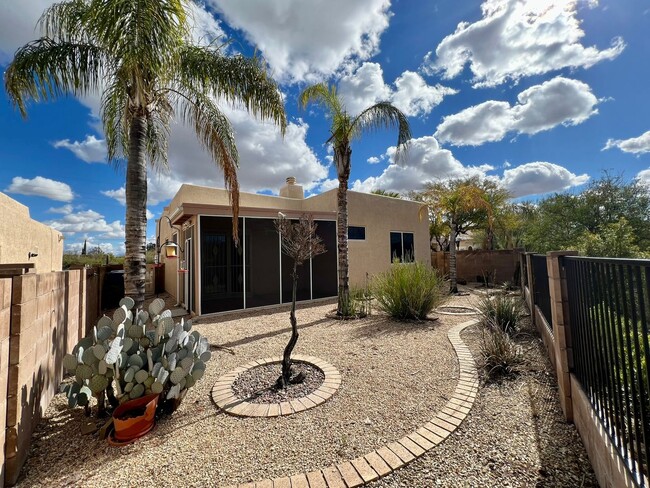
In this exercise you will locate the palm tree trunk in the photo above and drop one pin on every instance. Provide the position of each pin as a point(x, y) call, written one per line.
point(135, 263)
point(286, 357)
point(342, 160)
point(453, 285)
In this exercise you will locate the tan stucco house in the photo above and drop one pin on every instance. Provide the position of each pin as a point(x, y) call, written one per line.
point(211, 275)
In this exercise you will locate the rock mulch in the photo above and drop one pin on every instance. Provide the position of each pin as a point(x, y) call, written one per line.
point(395, 377)
point(257, 385)
point(514, 436)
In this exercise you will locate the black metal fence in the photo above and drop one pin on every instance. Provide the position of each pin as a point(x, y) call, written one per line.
point(541, 293)
point(609, 310)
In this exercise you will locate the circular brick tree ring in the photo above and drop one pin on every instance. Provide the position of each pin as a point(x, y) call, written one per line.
point(456, 310)
point(224, 396)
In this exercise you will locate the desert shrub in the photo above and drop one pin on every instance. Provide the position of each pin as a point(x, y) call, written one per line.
point(355, 306)
point(501, 357)
point(501, 312)
point(408, 291)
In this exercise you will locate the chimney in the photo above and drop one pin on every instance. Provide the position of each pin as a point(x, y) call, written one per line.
point(291, 190)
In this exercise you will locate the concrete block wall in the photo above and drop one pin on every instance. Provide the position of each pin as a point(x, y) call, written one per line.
point(48, 315)
point(5, 322)
point(470, 264)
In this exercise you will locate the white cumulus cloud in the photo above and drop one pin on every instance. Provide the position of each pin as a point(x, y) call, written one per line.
point(410, 93)
point(644, 177)
point(634, 145)
point(90, 150)
point(425, 161)
point(518, 38)
point(86, 221)
point(41, 187)
point(560, 101)
point(537, 178)
point(308, 41)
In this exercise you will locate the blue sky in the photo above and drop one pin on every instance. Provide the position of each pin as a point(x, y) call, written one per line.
point(542, 95)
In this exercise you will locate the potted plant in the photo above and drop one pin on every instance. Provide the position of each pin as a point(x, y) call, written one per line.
point(136, 355)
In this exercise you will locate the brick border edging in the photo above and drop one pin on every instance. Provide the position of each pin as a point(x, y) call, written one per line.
point(224, 397)
point(395, 455)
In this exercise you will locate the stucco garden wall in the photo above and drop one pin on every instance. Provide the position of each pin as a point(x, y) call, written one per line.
point(20, 235)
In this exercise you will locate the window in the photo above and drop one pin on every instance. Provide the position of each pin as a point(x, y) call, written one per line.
point(401, 247)
point(356, 233)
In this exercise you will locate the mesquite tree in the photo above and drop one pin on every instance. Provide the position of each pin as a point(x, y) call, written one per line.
point(300, 243)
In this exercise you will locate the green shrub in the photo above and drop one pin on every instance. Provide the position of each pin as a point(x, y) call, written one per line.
point(501, 356)
point(355, 306)
point(408, 291)
point(501, 312)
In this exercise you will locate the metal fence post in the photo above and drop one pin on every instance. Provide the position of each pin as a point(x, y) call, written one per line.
point(531, 286)
point(561, 327)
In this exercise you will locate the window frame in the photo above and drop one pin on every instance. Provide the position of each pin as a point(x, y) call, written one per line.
point(357, 227)
point(401, 233)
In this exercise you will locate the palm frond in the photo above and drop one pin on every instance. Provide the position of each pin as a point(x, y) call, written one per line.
point(45, 69)
point(146, 33)
point(235, 80)
point(323, 95)
point(158, 130)
point(383, 115)
point(215, 133)
point(64, 21)
point(115, 119)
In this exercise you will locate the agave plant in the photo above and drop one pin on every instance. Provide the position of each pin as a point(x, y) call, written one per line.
point(136, 353)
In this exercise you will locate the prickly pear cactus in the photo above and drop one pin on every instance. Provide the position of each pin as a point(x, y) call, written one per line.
point(136, 352)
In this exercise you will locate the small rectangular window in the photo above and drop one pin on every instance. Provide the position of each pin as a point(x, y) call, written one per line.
point(356, 233)
point(402, 248)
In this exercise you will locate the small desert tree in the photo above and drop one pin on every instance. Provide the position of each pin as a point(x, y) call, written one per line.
point(300, 243)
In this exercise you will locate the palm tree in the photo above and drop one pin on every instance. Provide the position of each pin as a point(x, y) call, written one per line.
point(345, 128)
point(138, 55)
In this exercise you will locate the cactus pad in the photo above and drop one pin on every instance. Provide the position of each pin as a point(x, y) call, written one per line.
point(136, 360)
point(156, 306)
point(141, 376)
point(70, 363)
point(104, 321)
point(102, 367)
point(187, 364)
point(114, 351)
point(104, 333)
point(127, 302)
point(119, 315)
point(156, 387)
point(99, 351)
point(129, 375)
point(83, 372)
point(98, 383)
point(177, 375)
point(88, 356)
point(135, 331)
point(174, 392)
point(137, 391)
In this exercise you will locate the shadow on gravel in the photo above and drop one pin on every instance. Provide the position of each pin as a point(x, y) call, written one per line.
point(547, 418)
point(384, 326)
point(265, 335)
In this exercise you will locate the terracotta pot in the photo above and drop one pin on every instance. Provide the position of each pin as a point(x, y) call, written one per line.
point(128, 428)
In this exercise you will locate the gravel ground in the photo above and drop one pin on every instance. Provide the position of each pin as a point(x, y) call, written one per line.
point(514, 436)
point(395, 377)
